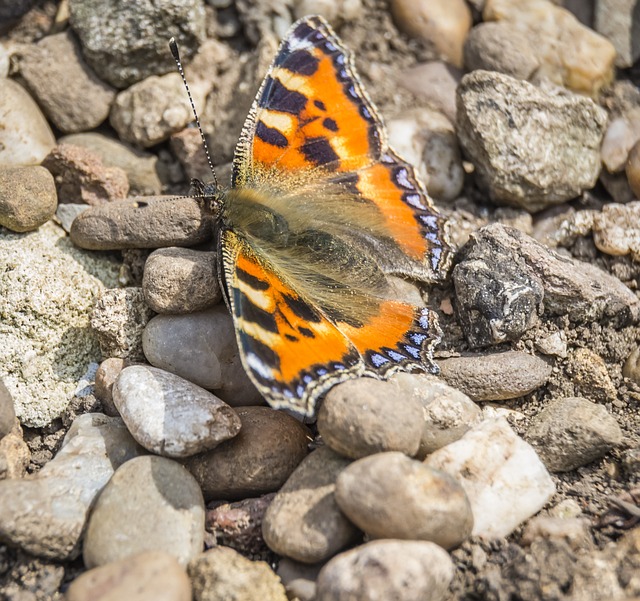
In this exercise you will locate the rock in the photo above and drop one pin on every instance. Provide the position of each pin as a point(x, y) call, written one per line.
point(7, 412)
point(45, 320)
point(181, 280)
point(505, 481)
point(15, 10)
point(332, 11)
point(45, 514)
point(186, 145)
point(223, 573)
point(150, 504)
point(575, 531)
point(633, 169)
point(124, 47)
point(631, 368)
point(571, 432)
point(15, 455)
point(618, 21)
point(118, 320)
point(495, 376)
point(148, 576)
point(142, 223)
point(304, 521)
point(27, 197)
point(444, 25)
point(531, 149)
point(67, 212)
point(387, 569)
point(389, 495)
point(622, 134)
point(141, 167)
point(213, 361)
point(299, 579)
point(25, 135)
point(170, 416)
point(616, 230)
point(68, 91)
point(106, 375)
point(499, 47)
point(366, 416)
point(80, 176)
point(589, 375)
point(570, 54)
point(258, 460)
point(617, 186)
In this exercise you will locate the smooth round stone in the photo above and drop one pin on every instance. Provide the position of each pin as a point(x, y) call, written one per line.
point(389, 495)
point(171, 416)
point(213, 360)
point(366, 416)
point(106, 375)
point(27, 197)
point(222, 573)
point(495, 376)
point(150, 504)
point(631, 367)
point(633, 169)
point(387, 569)
point(258, 460)
point(148, 576)
point(181, 280)
point(299, 579)
point(7, 411)
point(304, 521)
point(25, 135)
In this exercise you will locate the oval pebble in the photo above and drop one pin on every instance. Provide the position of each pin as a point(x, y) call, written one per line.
point(366, 416)
point(387, 569)
point(389, 495)
point(148, 576)
point(258, 460)
point(150, 504)
point(169, 415)
point(304, 521)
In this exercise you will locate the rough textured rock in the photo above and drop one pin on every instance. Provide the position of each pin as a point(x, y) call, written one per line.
point(616, 230)
point(618, 21)
point(27, 197)
point(15, 455)
point(589, 374)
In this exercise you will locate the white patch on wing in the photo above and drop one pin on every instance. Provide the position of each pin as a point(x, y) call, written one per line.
point(256, 364)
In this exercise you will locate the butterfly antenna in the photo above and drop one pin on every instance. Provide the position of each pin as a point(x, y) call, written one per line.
point(176, 57)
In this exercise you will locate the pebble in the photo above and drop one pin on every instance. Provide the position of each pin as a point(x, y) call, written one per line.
point(68, 91)
point(222, 573)
point(495, 376)
point(622, 134)
point(7, 412)
point(15, 455)
point(447, 412)
point(387, 569)
point(45, 514)
point(366, 416)
point(25, 135)
point(118, 321)
point(554, 344)
point(575, 531)
point(106, 375)
point(616, 229)
point(148, 576)
point(617, 20)
point(442, 23)
point(505, 481)
point(170, 416)
point(389, 495)
point(67, 212)
point(631, 367)
point(258, 460)
point(590, 376)
point(633, 169)
point(332, 11)
point(186, 146)
point(150, 504)
point(304, 521)
point(617, 186)
point(299, 579)
point(181, 280)
point(142, 223)
point(531, 148)
point(213, 361)
point(572, 432)
point(27, 197)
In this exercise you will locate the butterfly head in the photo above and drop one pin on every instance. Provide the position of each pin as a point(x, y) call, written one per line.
point(210, 195)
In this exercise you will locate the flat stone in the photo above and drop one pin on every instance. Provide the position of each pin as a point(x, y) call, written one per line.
point(27, 197)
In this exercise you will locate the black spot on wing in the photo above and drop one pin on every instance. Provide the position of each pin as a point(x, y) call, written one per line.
point(300, 308)
point(321, 105)
point(276, 97)
point(330, 124)
point(306, 332)
point(299, 61)
point(265, 353)
point(319, 151)
point(271, 135)
point(250, 312)
point(251, 280)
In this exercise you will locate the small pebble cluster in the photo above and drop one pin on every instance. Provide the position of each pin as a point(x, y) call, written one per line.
point(137, 459)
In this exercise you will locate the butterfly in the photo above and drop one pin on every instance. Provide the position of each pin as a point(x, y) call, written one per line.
point(320, 213)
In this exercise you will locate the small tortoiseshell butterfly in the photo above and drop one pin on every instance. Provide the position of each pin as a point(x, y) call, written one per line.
point(320, 212)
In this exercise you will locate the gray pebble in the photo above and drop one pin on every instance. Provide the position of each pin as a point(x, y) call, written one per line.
point(495, 376)
point(7, 411)
point(571, 432)
point(150, 504)
point(27, 197)
point(387, 569)
point(389, 495)
point(304, 521)
point(67, 212)
point(299, 579)
point(365, 416)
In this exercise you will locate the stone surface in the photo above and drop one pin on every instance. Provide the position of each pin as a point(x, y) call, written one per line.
point(258, 460)
point(67, 212)
point(571, 432)
point(304, 521)
point(622, 134)
point(7, 412)
point(27, 197)
point(632, 169)
point(590, 376)
point(616, 230)
point(150, 504)
point(25, 135)
point(387, 569)
point(495, 376)
point(181, 280)
point(106, 375)
point(299, 579)
point(148, 576)
point(45, 514)
point(505, 481)
point(170, 416)
point(619, 21)
point(332, 10)
point(15, 455)
point(48, 289)
point(531, 148)
point(366, 416)
point(631, 368)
